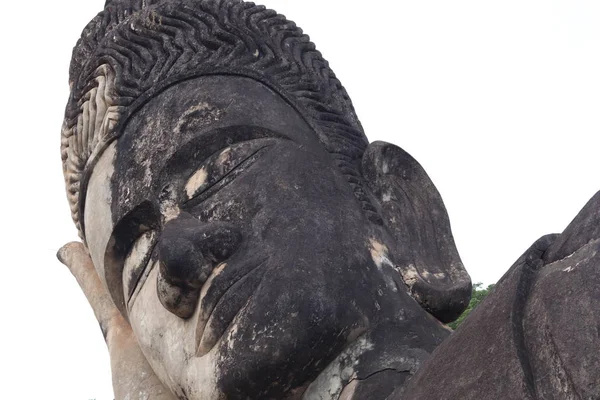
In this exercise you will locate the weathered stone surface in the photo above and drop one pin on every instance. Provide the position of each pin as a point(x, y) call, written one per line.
point(243, 240)
point(536, 335)
point(562, 318)
point(254, 243)
point(416, 217)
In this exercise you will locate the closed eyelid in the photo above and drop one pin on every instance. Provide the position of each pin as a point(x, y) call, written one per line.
point(129, 229)
point(222, 165)
point(137, 265)
point(136, 259)
point(205, 145)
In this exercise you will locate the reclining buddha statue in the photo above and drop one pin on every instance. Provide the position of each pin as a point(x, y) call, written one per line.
point(242, 239)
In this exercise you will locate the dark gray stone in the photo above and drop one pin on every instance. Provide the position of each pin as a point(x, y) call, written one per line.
point(258, 246)
point(536, 335)
point(243, 240)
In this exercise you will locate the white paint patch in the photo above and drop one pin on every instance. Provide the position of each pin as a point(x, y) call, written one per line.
point(330, 383)
point(202, 314)
point(410, 275)
point(215, 272)
point(196, 182)
point(379, 253)
point(169, 211)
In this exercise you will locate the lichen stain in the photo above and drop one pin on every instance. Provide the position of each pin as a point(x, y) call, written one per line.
point(152, 20)
point(199, 115)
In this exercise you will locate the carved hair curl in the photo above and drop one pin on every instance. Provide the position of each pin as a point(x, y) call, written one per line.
point(135, 46)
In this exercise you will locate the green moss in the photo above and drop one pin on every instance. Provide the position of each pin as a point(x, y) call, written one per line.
point(477, 297)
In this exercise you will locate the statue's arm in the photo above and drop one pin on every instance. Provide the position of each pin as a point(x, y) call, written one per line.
point(132, 376)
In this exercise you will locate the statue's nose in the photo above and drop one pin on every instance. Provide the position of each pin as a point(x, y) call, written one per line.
point(188, 251)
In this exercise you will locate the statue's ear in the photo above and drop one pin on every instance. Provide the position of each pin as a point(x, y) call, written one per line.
point(414, 214)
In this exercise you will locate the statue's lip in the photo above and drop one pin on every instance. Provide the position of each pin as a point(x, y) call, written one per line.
point(223, 296)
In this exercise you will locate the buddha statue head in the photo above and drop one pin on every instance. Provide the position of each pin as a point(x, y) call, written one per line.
point(235, 211)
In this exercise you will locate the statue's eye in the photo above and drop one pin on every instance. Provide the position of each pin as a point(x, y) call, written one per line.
point(222, 167)
point(136, 261)
point(128, 251)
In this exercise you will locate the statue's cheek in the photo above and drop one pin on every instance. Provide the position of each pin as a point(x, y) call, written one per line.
point(160, 334)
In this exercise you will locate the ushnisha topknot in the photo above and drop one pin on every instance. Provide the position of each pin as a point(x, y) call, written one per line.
point(134, 48)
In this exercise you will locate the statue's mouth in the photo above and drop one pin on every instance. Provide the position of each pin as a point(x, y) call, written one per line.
point(223, 296)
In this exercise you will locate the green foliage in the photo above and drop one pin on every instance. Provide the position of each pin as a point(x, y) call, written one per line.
point(477, 297)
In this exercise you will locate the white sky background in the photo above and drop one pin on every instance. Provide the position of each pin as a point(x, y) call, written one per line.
point(498, 100)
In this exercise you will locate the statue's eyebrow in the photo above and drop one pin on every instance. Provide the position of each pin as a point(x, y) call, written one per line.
point(208, 143)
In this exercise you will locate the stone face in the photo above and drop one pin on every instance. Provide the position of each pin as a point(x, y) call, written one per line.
point(254, 242)
point(243, 240)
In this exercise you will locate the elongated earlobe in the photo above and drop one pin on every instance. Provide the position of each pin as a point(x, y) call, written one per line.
point(413, 212)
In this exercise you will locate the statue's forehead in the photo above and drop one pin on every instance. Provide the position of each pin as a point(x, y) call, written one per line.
point(187, 112)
